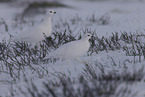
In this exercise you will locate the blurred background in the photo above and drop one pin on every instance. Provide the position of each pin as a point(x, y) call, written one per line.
point(103, 16)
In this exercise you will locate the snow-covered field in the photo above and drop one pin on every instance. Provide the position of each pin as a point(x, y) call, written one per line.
point(100, 18)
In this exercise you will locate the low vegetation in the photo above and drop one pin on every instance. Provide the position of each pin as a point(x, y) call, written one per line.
point(16, 56)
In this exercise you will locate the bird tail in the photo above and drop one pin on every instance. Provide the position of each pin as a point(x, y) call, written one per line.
point(48, 57)
point(51, 55)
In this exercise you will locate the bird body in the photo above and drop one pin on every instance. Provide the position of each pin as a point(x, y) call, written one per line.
point(37, 33)
point(72, 49)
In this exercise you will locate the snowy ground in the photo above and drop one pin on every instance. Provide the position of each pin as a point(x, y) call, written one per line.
point(124, 16)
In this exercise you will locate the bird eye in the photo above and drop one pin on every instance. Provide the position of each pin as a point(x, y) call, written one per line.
point(50, 11)
point(54, 12)
point(88, 35)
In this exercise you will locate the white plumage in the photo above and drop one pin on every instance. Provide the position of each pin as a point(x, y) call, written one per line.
point(72, 49)
point(37, 33)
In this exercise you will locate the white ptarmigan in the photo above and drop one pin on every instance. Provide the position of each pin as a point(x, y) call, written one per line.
point(38, 32)
point(72, 49)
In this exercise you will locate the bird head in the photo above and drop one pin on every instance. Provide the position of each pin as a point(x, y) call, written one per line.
point(87, 36)
point(51, 12)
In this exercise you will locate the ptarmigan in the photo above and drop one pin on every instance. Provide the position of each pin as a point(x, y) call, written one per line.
point(38, 32)
point(72, 49)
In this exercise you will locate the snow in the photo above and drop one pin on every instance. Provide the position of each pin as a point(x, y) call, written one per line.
point(124, 16)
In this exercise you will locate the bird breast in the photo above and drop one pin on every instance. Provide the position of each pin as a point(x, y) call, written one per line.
point(46, 29)
point(83, 48)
